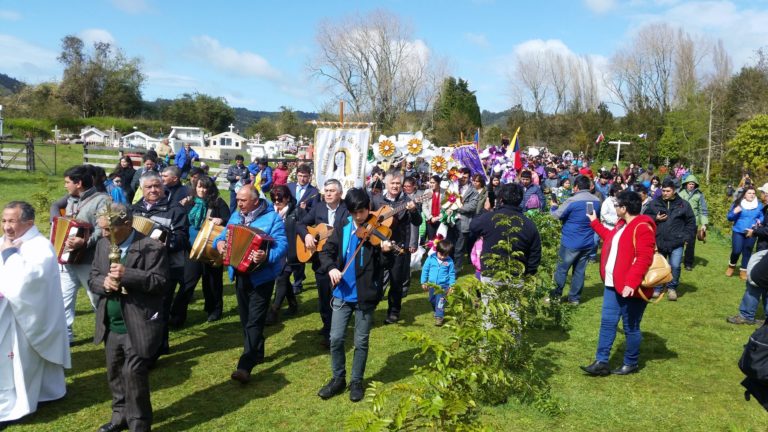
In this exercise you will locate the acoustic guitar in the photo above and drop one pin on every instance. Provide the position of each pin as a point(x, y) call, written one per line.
point(321, 233)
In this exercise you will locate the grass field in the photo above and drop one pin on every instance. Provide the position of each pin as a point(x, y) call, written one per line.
point(689, 380)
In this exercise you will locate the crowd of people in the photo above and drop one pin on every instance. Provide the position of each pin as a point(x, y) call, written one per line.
point(140, 283)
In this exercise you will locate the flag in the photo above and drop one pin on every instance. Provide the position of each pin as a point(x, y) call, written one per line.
point(477, 139)
point(513, 152)
point(600, 138)
point(643, 135)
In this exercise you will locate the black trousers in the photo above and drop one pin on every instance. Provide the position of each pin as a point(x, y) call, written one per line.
point(253, 303)
point(690, 250)
point(432, 230)
point(459, 240)
point(283, 288)
point(176, 277)
point(399, 280)
point(128, 376)
point(213, 289)
point(298, 276)
point(324, 290)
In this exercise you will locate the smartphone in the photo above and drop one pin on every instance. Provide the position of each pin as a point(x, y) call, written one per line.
point(590, 208)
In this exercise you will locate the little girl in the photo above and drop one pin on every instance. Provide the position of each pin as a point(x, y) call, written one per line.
point(439, 270)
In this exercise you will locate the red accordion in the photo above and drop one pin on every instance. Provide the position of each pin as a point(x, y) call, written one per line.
point(64, 228)
point(242, 242)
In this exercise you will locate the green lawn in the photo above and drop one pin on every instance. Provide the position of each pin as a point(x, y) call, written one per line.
point(689, 379)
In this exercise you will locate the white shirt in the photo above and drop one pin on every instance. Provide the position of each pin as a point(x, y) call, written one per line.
point(611, 261)
point(331, 214)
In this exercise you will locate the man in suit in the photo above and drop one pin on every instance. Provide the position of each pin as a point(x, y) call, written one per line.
point(405, 233)
point(332, 213)
point(460, 231)
point(128, 315)
point(306, 196)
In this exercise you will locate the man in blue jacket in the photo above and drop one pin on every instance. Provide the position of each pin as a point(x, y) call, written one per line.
point(254, 290)
point(184, 159)
point(577, 240)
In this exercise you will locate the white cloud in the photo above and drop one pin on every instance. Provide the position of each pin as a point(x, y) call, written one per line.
point(169, 79)
point(91, 36)
point(9, 15)
point(211, 52)
point(539, 45)
point(477, 39)
point(131, 6)
point(600, 6)
point(26, 61)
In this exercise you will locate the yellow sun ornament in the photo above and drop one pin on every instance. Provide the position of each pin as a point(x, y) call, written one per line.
point(414, 146)
point(439, 164)
point(386, 148)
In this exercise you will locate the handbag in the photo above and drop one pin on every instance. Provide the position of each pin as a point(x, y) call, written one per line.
point(659, 273)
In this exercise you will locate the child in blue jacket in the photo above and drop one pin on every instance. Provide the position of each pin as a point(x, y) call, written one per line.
point(439, 270)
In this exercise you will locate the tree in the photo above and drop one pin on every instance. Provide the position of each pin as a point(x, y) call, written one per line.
point(750, 145)
point(265, 128)
point(212, 113)
point(456, 111)
point(375, 65)
point(102, 82)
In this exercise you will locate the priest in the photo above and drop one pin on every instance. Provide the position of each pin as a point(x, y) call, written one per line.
point(33, 332)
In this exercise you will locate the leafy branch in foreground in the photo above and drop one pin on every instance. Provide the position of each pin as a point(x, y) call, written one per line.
point(482, 356)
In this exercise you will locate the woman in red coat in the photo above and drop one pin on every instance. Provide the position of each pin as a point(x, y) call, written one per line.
point(626, 257)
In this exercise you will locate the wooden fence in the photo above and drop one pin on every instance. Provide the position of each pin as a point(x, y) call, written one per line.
point(27, 156)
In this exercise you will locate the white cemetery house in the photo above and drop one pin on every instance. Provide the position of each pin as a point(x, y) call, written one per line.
point(140, 140)
point(181, 135)
point(225, 145)
point(95, 136)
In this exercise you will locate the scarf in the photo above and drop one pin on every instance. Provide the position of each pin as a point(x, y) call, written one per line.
point(435, 204)
point(283, 212)
point(197, 213)
point(748, 205)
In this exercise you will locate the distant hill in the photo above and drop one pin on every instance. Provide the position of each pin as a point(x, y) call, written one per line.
point(491, 118)
point(9, 85)
point(244, 117)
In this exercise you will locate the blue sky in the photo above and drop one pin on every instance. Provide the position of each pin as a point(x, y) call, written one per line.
point(254, 53)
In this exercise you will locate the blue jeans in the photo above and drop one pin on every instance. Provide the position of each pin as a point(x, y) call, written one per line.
point(751, 299)
point(675, 259)
point(571, 258)
point(438, 302)
point(741, 245)
point(342, 312)
point(630, 310)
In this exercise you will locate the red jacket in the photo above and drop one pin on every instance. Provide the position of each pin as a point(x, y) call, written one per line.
point(279, 176)
point(636, 248)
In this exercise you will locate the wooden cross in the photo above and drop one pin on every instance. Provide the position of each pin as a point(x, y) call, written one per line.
point(618, 148)
point(10, 356)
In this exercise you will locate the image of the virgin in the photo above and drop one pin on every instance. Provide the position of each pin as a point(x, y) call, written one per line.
point(341, 164)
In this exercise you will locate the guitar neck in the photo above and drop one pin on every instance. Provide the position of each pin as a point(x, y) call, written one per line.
point(400, 207)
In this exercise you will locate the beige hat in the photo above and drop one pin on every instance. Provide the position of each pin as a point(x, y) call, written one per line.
point(763, 188)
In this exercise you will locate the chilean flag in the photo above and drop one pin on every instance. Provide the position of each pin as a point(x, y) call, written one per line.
point(514, 151)
point(600, 138)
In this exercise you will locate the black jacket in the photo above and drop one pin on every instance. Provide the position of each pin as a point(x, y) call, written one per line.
point(173, 218)
point(526, 236)
point(292, 219)
point(368, 270)
point(679, 226)
point(405, 225)
point(761, 232)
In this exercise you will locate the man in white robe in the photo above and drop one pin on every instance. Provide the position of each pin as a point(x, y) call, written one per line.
point(34, 349)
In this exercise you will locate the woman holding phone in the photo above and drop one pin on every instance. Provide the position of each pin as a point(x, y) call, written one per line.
point(746, 213)
point(626, 256)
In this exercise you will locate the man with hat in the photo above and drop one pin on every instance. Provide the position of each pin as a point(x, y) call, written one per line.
point(691, 193)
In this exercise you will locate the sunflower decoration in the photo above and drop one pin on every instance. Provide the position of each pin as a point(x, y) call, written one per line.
point(415, 146)
point(385, 148)
point(438, 164)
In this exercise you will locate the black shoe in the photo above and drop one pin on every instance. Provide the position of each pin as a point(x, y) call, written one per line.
point(272, 316)
point(626, 370)
point(335, 386)
point(356, 391)
point(214, 316)
point(109, 427)
point(391, 319)
point(176, 322)
point(325, 343)
point(293, 308)
point(597, 369)
point(689, 268)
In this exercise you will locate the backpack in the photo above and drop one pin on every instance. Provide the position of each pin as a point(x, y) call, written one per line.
point(754, 364)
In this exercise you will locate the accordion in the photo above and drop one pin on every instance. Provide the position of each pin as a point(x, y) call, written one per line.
point(64, 228)
point(242, 243)
point(150, 228)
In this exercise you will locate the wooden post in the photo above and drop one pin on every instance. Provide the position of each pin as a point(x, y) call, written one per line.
point(341, 111)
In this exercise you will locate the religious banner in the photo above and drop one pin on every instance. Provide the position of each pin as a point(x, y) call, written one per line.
point(341, 154)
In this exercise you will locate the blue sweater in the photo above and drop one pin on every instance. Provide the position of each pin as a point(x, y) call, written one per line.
point(443, 274)
point(577, 234)
point(271, 223)
point(745, 219)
